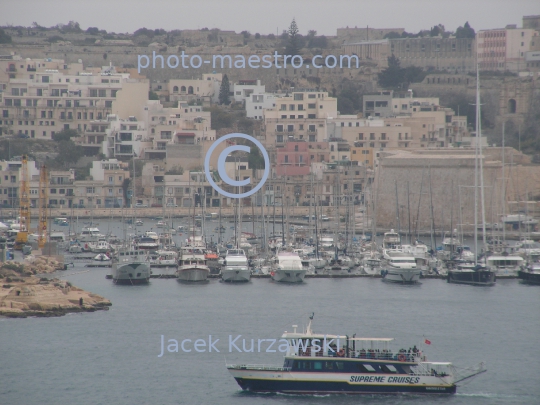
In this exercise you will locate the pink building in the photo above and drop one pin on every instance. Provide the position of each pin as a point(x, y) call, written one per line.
point(293, 159)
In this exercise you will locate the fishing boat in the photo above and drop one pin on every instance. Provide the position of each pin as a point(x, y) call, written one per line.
point(287, 268)
point(130, 267)
point(322, 364)
point(400, 267)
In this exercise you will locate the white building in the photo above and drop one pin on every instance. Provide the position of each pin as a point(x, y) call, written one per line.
point(258, 102)
point(245, 88)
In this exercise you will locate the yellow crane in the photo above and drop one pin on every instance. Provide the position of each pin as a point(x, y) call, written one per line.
point(24, 206)
point(43, 197)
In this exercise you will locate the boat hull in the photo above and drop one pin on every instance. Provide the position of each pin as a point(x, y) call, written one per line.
point(404, 276)
point(193, 274)
point(235, 275)
point(285, 382)
point(131, 273)
point(288, 276)
point(480, 278)
point(531, 278)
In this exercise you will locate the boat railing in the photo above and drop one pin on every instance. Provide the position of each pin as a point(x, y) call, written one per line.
point(261, 367)
point(367, 354)
point(428, 369)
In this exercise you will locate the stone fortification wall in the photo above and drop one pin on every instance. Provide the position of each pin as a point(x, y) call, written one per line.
point(451, 176)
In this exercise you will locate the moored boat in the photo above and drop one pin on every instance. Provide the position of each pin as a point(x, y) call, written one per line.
point(287, 268)
point(235, 266)
point(531, 274)
point(192, 266)
point(130, 267)
point(400, 267)
point(469, 273)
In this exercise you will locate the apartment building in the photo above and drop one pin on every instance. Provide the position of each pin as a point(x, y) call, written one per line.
point(48, 100)
point(294, 159)
point(300, 116)
point(10, 177)
point(505, 48)
point(105, 188)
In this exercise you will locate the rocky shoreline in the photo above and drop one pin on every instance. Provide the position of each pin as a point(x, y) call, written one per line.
point(22, 294)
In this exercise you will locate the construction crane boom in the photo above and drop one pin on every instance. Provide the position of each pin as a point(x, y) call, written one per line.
point(43, 197)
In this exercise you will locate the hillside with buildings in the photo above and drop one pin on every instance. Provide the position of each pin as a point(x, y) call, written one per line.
point(336, 136)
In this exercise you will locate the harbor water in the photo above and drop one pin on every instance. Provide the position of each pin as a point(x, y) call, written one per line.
point(113, 357)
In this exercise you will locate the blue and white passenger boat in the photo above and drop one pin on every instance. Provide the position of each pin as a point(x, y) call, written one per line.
point(333, 364)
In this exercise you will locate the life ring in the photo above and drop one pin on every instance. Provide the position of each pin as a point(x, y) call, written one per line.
point(401, 357)
point(341, 353)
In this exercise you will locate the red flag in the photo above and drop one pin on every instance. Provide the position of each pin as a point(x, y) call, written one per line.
point(427, 342)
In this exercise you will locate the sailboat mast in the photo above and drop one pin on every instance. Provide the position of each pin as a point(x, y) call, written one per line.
point(481, 163)
point(409, 212)
point(476, 167)
point(504, 187)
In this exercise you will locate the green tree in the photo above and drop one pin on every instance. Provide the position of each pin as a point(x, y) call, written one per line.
point(153, 96)
point(397, 77)
point(393, 75)
point(4, 38)
point(465, 32)
point(392, 35)
point(349, 99)
point(224, 91)
point(293, 40)
point(68, 153)
point(220, 119)
point(65, 135)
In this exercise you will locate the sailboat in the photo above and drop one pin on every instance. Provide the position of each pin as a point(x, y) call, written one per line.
point(475, 273)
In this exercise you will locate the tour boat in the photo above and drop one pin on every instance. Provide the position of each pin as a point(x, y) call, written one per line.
point(322, 364)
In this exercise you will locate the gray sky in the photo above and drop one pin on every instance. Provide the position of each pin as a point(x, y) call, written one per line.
point(267, 16)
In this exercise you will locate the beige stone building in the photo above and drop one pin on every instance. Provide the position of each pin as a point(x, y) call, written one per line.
point(47, 101)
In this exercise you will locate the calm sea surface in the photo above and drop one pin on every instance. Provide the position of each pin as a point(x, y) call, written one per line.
point(111, 357)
